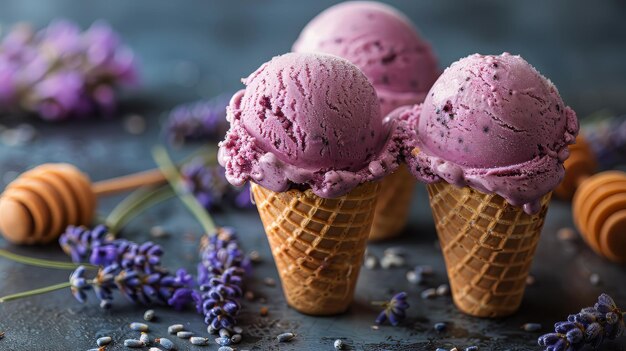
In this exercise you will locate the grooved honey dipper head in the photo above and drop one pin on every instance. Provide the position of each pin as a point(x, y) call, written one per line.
point(37, 206)
point(580, 165)
point(599, 209)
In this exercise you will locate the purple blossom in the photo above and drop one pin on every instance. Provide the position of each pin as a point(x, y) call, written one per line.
point(200, 121)
point(588, 327)
point(220, 275)
point(207, 182)
point(61, 72)
point(395, 310)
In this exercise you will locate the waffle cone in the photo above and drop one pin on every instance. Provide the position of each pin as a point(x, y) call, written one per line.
point(488, 246)
point(317, 243)
point(394, 200)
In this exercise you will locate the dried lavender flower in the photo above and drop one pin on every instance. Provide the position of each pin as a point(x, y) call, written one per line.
point(395, 309)
point(589, 327)
point(207, 182)
point(220, 276)
point(201, 120)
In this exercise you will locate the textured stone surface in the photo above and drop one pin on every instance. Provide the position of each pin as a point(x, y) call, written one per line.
point(202, 48)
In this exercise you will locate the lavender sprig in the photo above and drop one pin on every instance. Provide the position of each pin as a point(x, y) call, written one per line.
point(136, 285)
point(199, 121)
point(607, 138)
point(395, 309)
point(207, 182)
point(60, 72)
point(131, 268)
point(588, 327)
point(220, 276)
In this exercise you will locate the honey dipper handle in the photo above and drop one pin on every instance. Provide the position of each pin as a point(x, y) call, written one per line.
point(129, 182)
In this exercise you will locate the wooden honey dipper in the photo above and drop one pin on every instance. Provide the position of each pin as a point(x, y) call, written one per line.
point(598, 204)
point(37, 206)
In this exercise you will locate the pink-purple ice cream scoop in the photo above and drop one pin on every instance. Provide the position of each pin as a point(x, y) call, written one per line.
point(309, 119)
point(496, 124)
point(382, 42)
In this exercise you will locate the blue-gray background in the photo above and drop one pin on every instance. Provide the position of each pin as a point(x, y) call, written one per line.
point(200, 48)
point(195, 49)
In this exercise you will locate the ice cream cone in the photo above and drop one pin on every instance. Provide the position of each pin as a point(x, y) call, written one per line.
point(488, 246)
point(317, 243)
point(394, 200)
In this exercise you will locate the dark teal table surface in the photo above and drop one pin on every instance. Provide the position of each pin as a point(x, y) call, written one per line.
point(197, 49)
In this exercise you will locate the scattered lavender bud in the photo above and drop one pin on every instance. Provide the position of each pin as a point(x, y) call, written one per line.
point(224, 333)
point(440, 327)
point(237, 329)
point(471, 348)
point(184, 334)
point(443, 290)
point(531, 327)
point(200, 341)
point(249, 295)
point(133, 343)
point(255, 256)
point(158, 232)
point(144, 338)
point(594, 279)
point(222, 341)
point(530, 280)
point(566, 234)
point(236, 339)
point(175, 328)
point(370, 262)
point(211, 329)
point(105, 340)
point(166, 343)
point(139, 326)
point(105, 304)
point(285, 337)
point(424, 269)
point(148, 315)
point(225, 348)
point(269, 281)
point(339, 344)
point(391, 261)
point(429, 293)
point(414, 277)
point(394, 251)
point(135, 124)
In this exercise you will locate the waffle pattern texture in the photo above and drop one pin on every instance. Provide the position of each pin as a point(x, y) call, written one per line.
point(318, 244)
point(488, 246)
point(394, 202)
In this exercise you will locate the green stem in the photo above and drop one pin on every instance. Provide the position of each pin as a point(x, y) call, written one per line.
point(144, 198)
point(173, 177)
point(35, 292)
point(38, 262)
point(135, 203)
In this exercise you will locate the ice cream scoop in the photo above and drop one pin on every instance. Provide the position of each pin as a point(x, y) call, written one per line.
point(382, 42)
point(490, 139)
point(400, 64)
point(494, 123)
point(307, 131)
point(309, 120)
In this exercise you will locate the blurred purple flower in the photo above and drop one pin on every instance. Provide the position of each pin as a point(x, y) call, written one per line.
point(198, 121)
point(60, 72)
